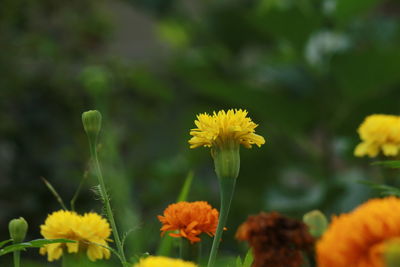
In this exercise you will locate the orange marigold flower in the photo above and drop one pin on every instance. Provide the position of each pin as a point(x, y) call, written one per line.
point(360, 238)
point(190, 219)
point(276, 240)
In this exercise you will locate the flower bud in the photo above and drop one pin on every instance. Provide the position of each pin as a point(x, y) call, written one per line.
point(316, 222)
point(18, 229)
point(91, 122)
point(226, 161)
point(392, 253)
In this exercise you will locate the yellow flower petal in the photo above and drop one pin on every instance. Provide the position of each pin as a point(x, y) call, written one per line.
point(224, 127)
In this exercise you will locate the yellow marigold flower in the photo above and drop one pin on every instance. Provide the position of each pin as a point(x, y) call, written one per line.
point(89, 230)
point(361, 237)
point(379, 132)
point(190, 219)
point(224, 128)
point(159, 261)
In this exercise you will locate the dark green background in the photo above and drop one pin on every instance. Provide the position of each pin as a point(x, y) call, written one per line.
point(307, 71)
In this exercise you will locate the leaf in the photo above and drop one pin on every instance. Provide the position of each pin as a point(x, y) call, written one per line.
point(37, 243)
point(186, 187)
point(238, 262)
point(2, 243)
point(385, 190)
point(388, 163)
point(167, 241)
point(248, 260)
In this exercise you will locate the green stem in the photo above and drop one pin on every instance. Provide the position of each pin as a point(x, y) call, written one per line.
point(227, 187)
point(106, 200)
point(183, 249)
point(17, 258)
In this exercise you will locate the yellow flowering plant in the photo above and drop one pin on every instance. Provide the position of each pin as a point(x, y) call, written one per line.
point(224, 132)
point(368, 236)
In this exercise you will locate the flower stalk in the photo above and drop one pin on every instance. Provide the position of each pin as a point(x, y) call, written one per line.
point(92, 124)
point(227, 187)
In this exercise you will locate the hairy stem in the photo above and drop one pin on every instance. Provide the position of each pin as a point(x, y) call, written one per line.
point(106, 200)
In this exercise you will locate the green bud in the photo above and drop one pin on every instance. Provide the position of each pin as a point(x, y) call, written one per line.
point(91, 123)
point(316, 222)
point(226, 161)
point(392, 253)
point(18, 229)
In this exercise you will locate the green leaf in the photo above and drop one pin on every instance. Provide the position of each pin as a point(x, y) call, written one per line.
point(37, 243)
point(248, 260)
point(388, 163)
point(385, 190)
point(186, 187)
point(2, 243)
point(166, 243)
point(238, 262)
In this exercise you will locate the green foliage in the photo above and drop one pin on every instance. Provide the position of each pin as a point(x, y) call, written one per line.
point(37, 243)
point(384, 190)
point(308, 72)
point(394, 164)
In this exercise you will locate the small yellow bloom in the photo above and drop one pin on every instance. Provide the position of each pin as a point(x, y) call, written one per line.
point(379, 132)
point(154, 261)
point(224, 128)
point(362, 237)
point(89, 230)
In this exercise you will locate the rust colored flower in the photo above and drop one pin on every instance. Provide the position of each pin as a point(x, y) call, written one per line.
point(276, 240)
point(361, 238)
point(189, 220)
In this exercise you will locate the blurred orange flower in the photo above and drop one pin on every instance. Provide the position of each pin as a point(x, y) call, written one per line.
point(276, 240)
point(360, 238)
point(189, 220)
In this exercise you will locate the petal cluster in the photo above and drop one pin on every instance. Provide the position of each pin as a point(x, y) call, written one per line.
point(379, 132)
point(189, 220)
point(159, 261)
point(359, 238)
point(225, 127)
point(90, 230)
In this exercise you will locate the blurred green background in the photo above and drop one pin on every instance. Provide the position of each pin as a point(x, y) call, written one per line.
point(308, 72)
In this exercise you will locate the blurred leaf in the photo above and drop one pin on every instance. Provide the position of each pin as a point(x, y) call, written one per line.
point(248, 260)
point(2, 243)
point(347, 9)
point(389, 163)
point(385, 190)
point(37, 243)
point(174, 33)
point(166, 243)
point(183, 195)
point(238, 262)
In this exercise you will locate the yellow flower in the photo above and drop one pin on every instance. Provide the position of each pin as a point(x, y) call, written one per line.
point(159, 261)
point(89, 230)
point(360, 238)
point(379, 132)
point(224, 128)
point(190, 219)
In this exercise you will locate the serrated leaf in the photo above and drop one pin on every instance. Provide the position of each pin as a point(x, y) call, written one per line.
point(37, 243)
point(2, 243)
point(388, 163)
point(248, 260)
